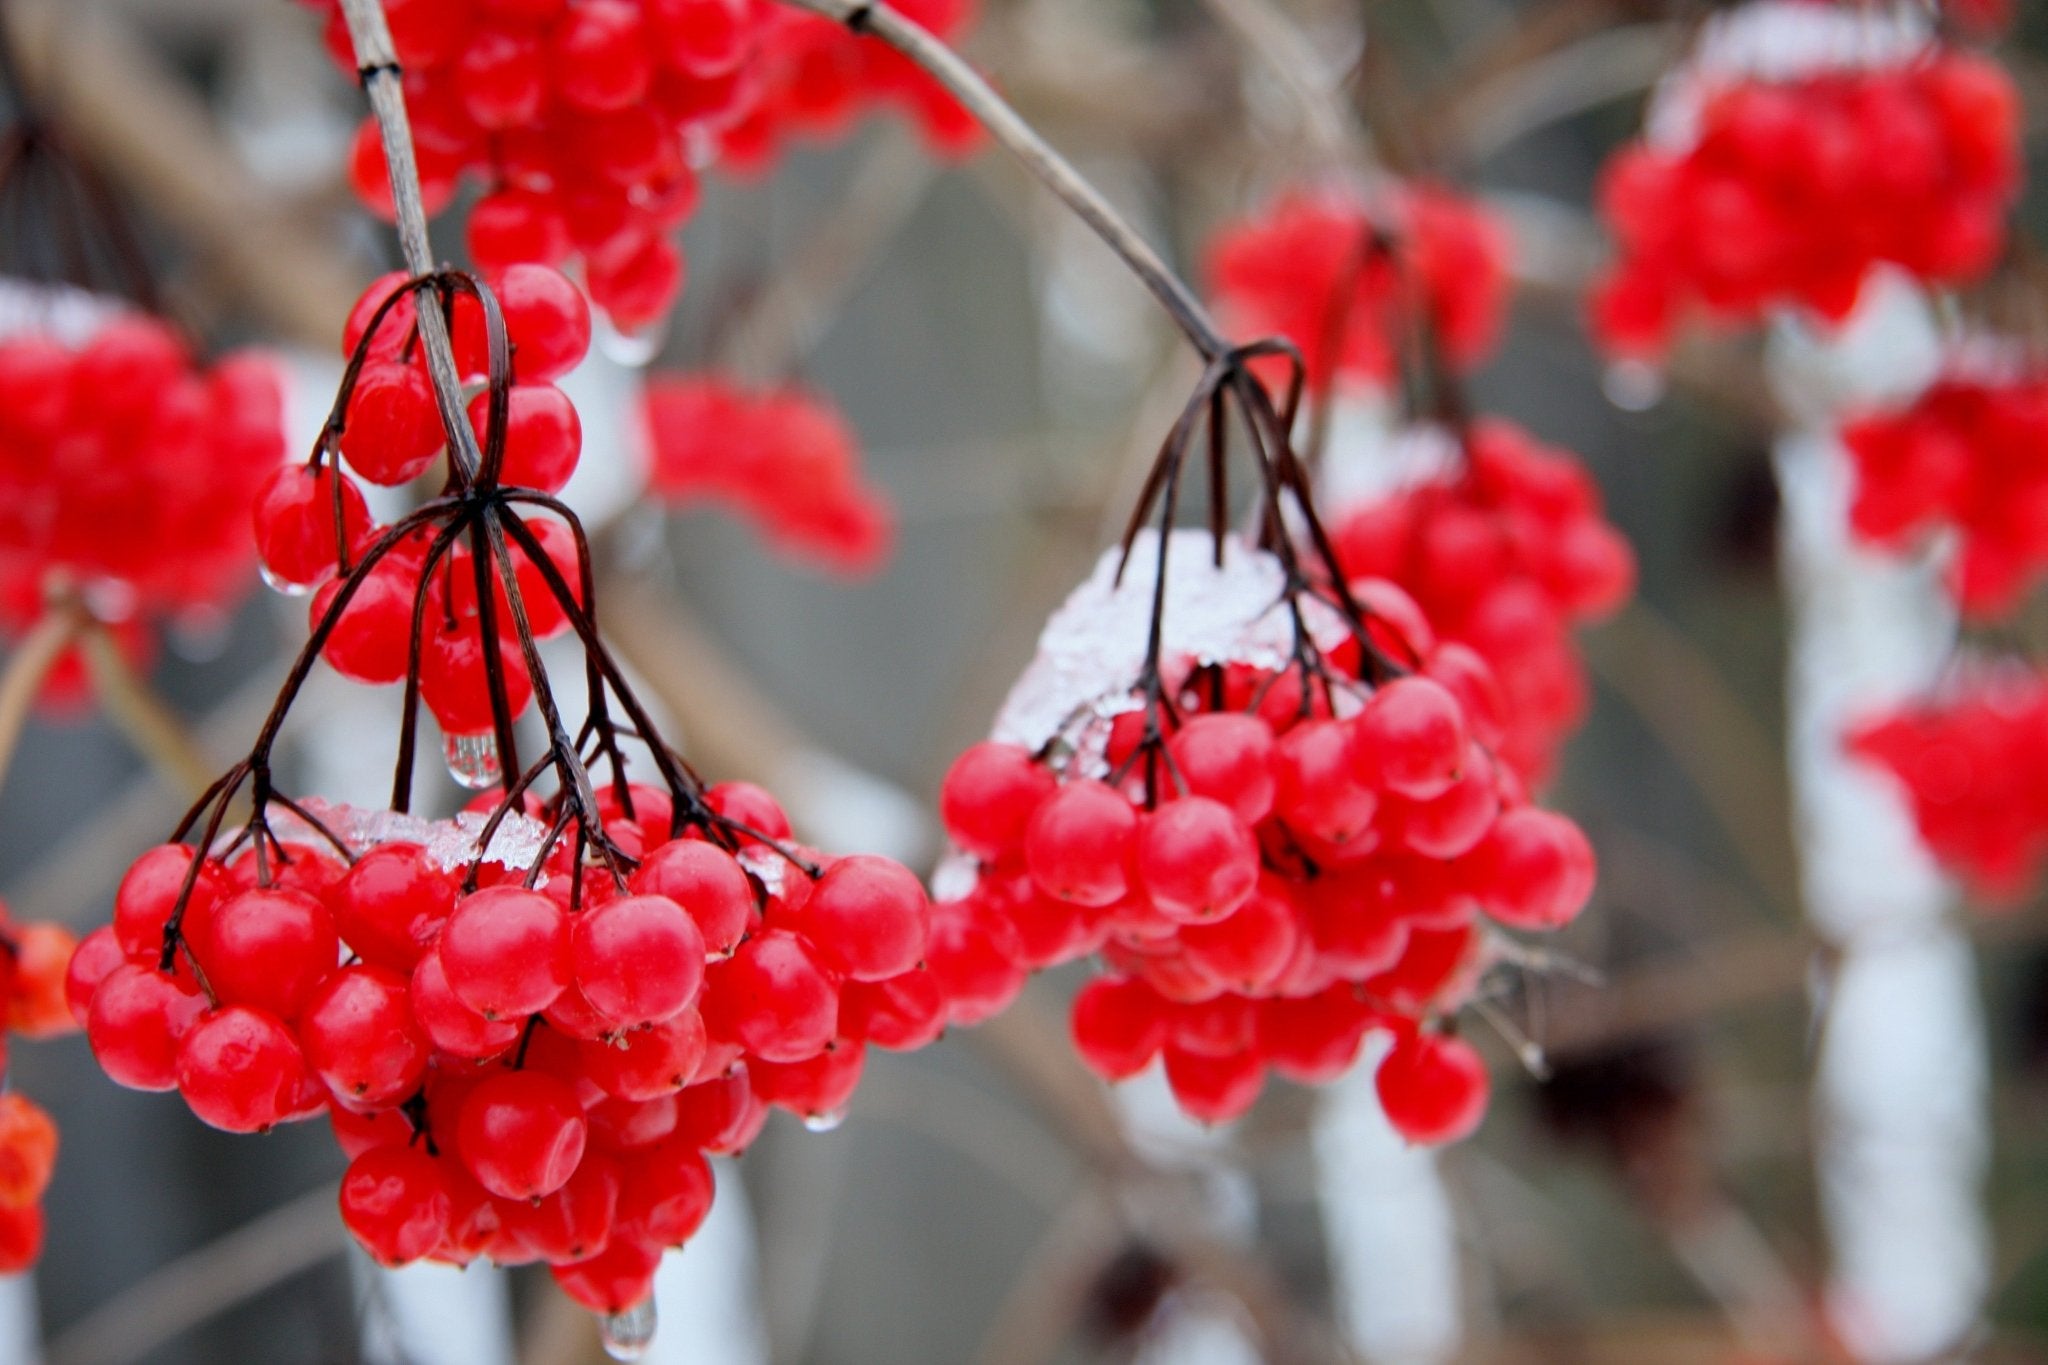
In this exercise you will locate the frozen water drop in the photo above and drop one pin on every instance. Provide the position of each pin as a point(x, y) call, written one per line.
point(1633, 385)
point(277, 584)
point(627, 1335)
point(473, 760)
point(824, 1122)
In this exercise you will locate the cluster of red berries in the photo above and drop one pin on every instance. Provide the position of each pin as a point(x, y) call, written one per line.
point(33, 961)
point(124, 466)
point(1971, 762)
point(1785, 193)
point(1345, 281)
point(587, 120)
point(1506, 553)
point(527, 1068)
point(1963, 456)
point(313, 525)
point(784, 457)
point(1270, 862)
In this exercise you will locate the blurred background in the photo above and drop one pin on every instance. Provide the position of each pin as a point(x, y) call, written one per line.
point(1690, 1171)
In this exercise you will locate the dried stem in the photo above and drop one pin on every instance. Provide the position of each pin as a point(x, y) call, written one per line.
point(31, 663)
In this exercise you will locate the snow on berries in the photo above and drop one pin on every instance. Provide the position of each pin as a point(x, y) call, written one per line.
point(1970, 761)
point(784, 457)
point(1347, 280)
point(1276, 847)
point(588, 121)
point(1962, 456)
point(1803, 145)
point(125, 463)
point(1501, 542)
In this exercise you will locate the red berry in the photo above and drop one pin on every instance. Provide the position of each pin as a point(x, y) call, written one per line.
point(360, 1038)
point(1433, 1088)
point(506, 951)
point(638, 959)
point(241, 1070)
point(1079, 844)
point(521, 1134)
point(396, 1203)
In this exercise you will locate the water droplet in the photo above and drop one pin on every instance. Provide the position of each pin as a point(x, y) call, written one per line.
point(627, 1335)
point(825, 1122)
point(277, 584)
point(473, 760)
point(1634, 385)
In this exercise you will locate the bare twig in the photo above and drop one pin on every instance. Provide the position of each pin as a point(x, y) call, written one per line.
point(31, 663)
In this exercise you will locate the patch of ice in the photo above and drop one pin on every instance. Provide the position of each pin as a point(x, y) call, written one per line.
point(451, 844)
point(1093, 647)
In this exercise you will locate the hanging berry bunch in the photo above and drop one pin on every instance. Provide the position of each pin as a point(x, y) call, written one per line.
point(526, 1026)
point(125, 466)
point(1962, 456)
point(783, 457)
point(1263, 797)
point(126, 460)
point(1970, 760)
point(588, 120)
point(1350, 283)
point(1500, 540)
point(1804, 145)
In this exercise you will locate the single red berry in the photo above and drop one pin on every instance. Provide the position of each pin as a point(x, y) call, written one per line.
point(521, 1134)
point(1433, 1088)
point(396, 1203)
point(638, 959)
point(867, 916)
point(506, 951)
point(360, 1038)
point(707, 882)
point(1078, 844)
point(241, 1070)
